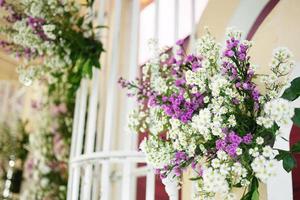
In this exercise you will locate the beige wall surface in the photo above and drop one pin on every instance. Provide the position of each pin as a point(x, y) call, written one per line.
point(280, 29)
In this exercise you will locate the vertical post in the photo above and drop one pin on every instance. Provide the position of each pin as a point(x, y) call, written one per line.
point(128, 182)
point(176, 20)
point(73, 143)
point(79, 138)
point(156, 21)
point(91, 133)
point(110, 113)
point(96, 178)
point(171, 187)
point(193, 25)
point(150, 185)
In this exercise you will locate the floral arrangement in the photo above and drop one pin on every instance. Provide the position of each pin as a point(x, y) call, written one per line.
point(49, 142)
point(205, 111)
point(50, 38)
point(56, 46)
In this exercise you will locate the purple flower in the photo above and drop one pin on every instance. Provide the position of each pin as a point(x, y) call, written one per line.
point(220, 144)
point(246, 86)
point(157, 171)
point(242, 56)
point(180, 156)
point(235, 101)
point(234, 138)
point(247, 139)
point(180, 42)
point(2, 2)
point(177, 171)
point(229, 53)
point(231, 149)
point(255, 94)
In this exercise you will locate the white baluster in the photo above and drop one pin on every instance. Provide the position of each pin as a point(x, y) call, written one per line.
point(150, 185)
point(79, 138)
point(111, 112)
point(128, 181)
point(176, 19)
point(171, 187)
point(193, 26)
point(73, 143)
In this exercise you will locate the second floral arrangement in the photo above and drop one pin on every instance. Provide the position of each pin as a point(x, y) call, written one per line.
point(205, 111)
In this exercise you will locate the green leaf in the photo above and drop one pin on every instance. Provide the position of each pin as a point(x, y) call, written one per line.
point(195, 178)
point(296, 118)
point(87, 69)
point(289, 95)
point(255, 195)
point(293, 92)
point(288, 162)
point(296, 148)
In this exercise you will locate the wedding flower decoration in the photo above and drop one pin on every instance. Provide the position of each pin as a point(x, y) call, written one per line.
point(206, 111)
point(55, 42)
point(50, 38)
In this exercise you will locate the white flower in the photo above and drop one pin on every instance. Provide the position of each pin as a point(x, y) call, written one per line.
point(201, 122)
point(217, 84)
point(49, 31)
point(222, 155)
point(158, 153)
point(214, 182)
point(44, 182)
point(254, 152)
point(279, 111)
point(263, 168)
point(239, 151)
point(215, 163)
point(259, 140)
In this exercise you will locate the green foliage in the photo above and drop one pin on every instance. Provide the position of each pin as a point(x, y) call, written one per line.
point(296, 148)
point(293, 92)
point(288, 161)
point(252, 193)
point(296, 118)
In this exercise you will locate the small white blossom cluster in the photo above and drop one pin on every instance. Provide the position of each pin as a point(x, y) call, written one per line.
point(281, 66)
point(184, 137)
point(157, 121)
point(202, 123)
point(277, 110)
point(158, 154)
point(136, 120)
point(208, 48)
point(264, 162)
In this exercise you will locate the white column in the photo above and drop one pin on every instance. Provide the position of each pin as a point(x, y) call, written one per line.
point(111, 112)
point(176, 20)
point(150, 185)
point(79, 138)
point(73, 144)
point(193, 26)
point(156, 21)
point(129, 181)
point(95, 172)
point(91, 133)
point(171, 187)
